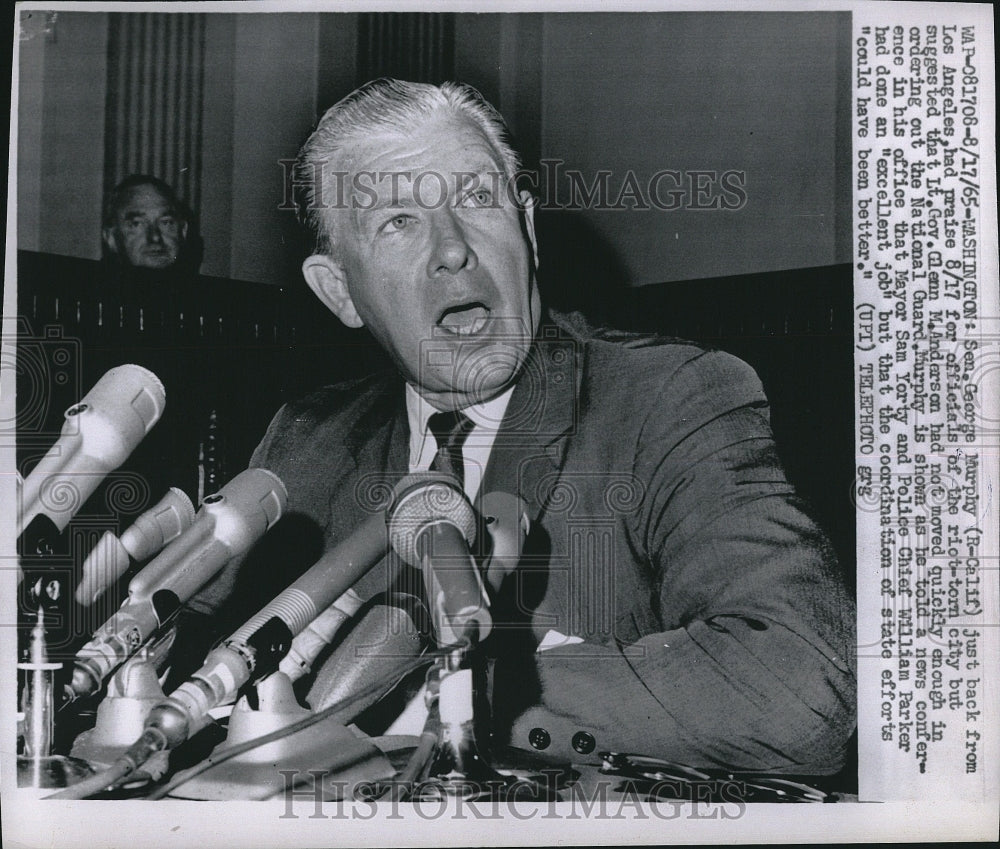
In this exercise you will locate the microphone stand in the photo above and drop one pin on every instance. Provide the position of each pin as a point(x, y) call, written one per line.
point(448, 760)
point(457, 767)
point(38, 767)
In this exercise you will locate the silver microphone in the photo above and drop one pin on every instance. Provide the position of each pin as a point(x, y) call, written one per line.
point(259, 645)
point(433, 530)
point(228, 524)
point(97, 437)
point(148, 535)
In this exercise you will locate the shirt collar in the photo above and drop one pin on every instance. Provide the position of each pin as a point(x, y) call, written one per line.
point(487, 416)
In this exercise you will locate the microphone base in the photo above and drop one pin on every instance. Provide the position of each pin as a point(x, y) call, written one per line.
point(458, 770)
point(488, 785)
point(121, 716)
point(325, 757)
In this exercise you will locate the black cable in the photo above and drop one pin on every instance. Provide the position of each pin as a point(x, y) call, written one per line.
point(402, 787)
point(295, 727)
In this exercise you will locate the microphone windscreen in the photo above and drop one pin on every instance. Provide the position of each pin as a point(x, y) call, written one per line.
point(421, 501)
point(162, 523)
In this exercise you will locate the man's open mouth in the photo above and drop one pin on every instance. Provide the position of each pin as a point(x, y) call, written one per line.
point(465, 319)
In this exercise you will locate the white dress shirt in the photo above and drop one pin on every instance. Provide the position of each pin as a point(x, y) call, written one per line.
point(477, 446)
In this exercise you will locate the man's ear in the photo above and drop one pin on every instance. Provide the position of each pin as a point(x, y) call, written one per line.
point(108, 236)
point(528, 201)
point(326, 278)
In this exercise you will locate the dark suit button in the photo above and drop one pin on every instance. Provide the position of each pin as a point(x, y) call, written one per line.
point(539, 738)
point(583, 742)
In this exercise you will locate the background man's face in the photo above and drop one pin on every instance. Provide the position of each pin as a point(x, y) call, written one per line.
point(147, 232)
point(441, 270)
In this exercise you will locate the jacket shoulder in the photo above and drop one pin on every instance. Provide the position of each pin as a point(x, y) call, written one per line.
point(338, 399)
point(323, 416)
point(635, 360)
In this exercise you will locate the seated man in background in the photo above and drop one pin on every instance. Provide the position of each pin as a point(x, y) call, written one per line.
point(145, 225)
point(673, 599)
point(151, 256)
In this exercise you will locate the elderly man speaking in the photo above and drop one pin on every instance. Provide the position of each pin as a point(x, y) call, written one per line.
point(672, 598)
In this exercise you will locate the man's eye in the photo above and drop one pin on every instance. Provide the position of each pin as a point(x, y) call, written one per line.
point(479, 197)
point(168, 221)
point(397, 222)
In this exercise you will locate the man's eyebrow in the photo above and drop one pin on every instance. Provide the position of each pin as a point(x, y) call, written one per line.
point(367, 216)
point(387, 201)
point(488, 170)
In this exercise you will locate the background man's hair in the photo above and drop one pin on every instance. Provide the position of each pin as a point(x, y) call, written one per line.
point(386, 105)
point(116, 197)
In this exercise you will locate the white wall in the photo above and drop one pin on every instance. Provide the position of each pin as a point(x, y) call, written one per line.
point(61, 94)
point(274, 106)
point(754, 92)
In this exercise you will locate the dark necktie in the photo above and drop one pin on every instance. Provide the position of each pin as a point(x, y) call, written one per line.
point(450, 430)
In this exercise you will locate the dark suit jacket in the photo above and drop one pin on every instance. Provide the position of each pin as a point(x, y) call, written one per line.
point(716, 629)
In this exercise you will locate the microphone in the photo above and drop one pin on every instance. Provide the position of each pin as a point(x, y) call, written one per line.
point(506, 519)
point(259, 645)
point(379, 648)
point(112, 556)
point(97, 437)
point(228, 524)
point(435, 536)
point(307, 646)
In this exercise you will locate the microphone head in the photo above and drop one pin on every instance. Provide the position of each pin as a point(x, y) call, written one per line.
point(250, 503)
point(152, 530)
point(163, 522)
point(107, 561)
point(229, 522)
point(99, 433)
point(424, 499)
point(507, 523)
point(130, 394)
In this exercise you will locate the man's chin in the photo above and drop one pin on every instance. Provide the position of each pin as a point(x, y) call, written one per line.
point(156, 261)
point(482, 381)
point(461, 370)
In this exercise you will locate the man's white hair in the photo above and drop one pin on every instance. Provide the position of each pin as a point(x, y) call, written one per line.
point(378, 106)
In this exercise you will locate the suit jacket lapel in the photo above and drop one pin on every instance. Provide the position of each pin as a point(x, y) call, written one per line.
point(378, 441)
point(377, 445)
point(530, 446)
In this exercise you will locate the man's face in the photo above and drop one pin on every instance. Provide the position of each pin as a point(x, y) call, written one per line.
point(147, 232)
point(439, 267)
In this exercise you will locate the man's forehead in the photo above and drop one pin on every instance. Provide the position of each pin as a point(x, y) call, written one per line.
point(142, 198)
point(443, 140)
point(444, 153)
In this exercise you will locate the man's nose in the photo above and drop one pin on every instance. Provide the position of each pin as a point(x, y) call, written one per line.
point(451, 251)
point(153, 233)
